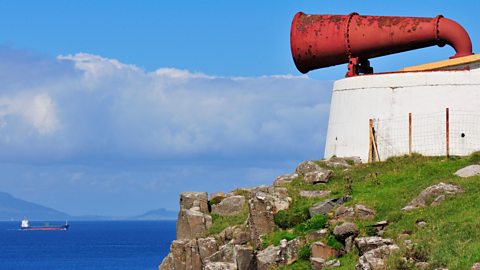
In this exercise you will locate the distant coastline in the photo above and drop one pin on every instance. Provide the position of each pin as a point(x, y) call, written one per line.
point(15, 209)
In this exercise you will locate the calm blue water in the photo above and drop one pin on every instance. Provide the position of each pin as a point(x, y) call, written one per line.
point(132, 245)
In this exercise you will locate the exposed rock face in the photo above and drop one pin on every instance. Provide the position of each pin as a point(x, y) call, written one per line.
point(244, 258)
point(306, 167)
point(189, 200)
point(193, 218)
point(263, 203)
point(360, 211)
point(319, 263)
point(235, 234)
point(326, 206)
point(284, 179)
point(343, 162)
point(322, 207)
point(345, 230)
point(224, 254)
point(284, 254)
point(320, 250)
point(192, 223)
point(220, 266)
point(344, 213)
point(319, 176)
point(315, 235)
point(183, 255)
point(476, 266)
point(469, 171)
point(374, 259)
point(432, 193)
point(363, 212)
point(207, 246)
point(365, 244)
point(314, 193)
point(229, 206)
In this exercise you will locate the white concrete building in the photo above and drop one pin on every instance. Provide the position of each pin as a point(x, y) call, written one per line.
point(424, 91)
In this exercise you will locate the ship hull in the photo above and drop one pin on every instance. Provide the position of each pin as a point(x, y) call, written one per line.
point(62, 228)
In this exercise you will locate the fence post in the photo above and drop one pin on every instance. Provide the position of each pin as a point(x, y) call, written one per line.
point(370, 138)
point(373, 154)
point(447, 133)
point(410, 134)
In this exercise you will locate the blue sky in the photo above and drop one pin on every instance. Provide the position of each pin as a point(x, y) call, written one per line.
point(114, 107)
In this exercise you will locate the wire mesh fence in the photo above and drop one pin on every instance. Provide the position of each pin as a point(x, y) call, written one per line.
point(449, 132)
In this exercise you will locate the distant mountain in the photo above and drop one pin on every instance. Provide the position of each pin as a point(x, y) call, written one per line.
point(12, 208)
point(157, 214)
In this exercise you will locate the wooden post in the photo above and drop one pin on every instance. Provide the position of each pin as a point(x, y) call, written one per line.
point(370, 145)
point(373, 154)
point(410, 134)
point(447, 129)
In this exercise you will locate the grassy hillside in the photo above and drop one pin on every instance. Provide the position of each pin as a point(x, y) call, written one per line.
point(452, 235)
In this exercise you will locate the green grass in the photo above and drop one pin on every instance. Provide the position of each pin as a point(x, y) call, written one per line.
point(452, 236)
point(275, 237)
point(221, 223)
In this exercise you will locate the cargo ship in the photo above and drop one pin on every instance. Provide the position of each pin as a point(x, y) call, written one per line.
point(26, 227)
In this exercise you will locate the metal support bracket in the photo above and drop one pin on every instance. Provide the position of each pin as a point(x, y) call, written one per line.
point(357, 66)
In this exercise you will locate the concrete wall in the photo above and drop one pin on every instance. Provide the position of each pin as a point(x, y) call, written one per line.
point(392, 96)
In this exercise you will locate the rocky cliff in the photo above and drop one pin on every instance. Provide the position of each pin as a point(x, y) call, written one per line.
point(322, 216)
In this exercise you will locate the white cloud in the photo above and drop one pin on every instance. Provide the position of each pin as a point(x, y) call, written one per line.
point(109, 110)
point(104, 130)
point(37, 110)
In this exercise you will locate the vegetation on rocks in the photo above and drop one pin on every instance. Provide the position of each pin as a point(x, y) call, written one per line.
point(451, 238)
point(222, 222)
point(442, 233)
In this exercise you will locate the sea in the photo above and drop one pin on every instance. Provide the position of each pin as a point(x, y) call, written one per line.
point(122, 245)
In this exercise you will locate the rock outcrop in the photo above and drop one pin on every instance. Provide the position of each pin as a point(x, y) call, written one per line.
point(263, 204)
point(345, 230)
point(341, 162)
point(315, 235)
point(319, 263)
point(320, 250)
point(434, 194)
point(359, 211)
point(193, 218)
point(469, 171)
point(312, 173)
point(306, 167)
point(230, 206)
point(284, 179)
point(326, 206)
point(284, 254)
point(374, 259)
point(320, 176)
point(373, 250)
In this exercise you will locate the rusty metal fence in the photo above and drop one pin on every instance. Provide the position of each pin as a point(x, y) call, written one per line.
point(449, 132)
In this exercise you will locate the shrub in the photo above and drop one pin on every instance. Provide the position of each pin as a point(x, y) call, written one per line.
point(304, 252)
point(475, 157)
point(216, 200)
point(370, 231)
point(288, 219)
point(277, 236)
point(315, 223)
point(334, 243)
